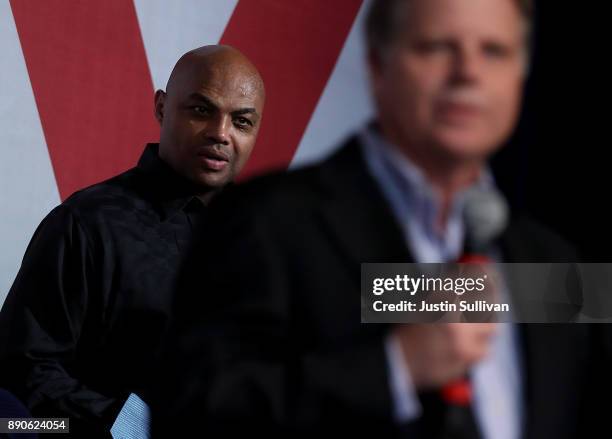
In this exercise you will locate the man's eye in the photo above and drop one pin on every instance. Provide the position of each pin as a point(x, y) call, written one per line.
point(496, 51)
point(432, 47)
point(242, 122)
point(200, 109)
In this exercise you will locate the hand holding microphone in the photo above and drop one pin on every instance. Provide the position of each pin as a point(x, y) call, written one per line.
point(440, 355)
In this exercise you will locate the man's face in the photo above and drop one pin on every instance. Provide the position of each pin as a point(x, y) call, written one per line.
point(451, 82)
point(209, 122)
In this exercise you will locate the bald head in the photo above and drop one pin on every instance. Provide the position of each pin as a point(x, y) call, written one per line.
point(217, 60)
point(210, 115)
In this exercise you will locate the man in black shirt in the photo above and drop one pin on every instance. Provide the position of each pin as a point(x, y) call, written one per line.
point(82, 324)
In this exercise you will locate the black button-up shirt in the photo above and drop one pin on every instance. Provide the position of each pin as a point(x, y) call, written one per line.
point(82, 325)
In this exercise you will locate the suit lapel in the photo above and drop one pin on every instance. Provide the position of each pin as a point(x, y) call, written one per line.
point(355, 214)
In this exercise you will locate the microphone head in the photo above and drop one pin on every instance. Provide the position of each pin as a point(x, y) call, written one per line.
point(485, 215)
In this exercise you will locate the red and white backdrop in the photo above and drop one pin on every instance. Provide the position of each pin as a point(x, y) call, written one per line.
point(77, 82)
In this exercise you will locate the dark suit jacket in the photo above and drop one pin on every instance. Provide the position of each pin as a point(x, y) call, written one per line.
point(268, 333)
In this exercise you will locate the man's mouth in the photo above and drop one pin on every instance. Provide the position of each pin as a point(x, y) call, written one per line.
point(213, 160)
point(457, 111)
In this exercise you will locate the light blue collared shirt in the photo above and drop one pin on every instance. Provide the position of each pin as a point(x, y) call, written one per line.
point(496, 380)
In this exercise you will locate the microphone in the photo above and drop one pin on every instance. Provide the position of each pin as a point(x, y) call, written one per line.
point(485, 216)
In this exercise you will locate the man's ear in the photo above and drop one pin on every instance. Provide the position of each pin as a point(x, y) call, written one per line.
point(160, 101)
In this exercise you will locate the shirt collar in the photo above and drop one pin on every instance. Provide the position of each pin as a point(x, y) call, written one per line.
point(412, 197)
point(170, 191)
point(407, 176)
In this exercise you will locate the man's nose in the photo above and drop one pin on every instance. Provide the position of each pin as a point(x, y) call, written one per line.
point(467, 65)
point(217, 129)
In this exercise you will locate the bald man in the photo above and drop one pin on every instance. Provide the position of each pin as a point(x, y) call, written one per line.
point(81, 327)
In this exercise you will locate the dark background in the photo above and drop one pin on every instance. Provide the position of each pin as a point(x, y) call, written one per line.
point(555, 167)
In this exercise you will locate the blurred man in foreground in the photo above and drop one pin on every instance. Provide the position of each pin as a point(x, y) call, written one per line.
point(81, 327)
point(272, 340)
